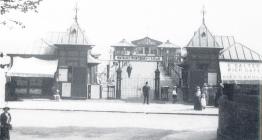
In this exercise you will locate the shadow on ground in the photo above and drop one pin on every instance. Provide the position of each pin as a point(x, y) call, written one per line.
point(92, 133)
point(141, 100)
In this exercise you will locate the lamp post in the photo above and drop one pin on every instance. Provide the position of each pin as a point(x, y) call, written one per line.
point(118, 81)
point(157, 83)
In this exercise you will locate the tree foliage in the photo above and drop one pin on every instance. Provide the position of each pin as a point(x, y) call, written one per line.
point(8, 6)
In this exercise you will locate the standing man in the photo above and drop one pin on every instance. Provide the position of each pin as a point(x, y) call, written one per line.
point(128, 70)
point(146, 89)
point(5, 120)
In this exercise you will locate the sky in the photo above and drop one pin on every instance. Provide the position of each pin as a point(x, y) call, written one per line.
point(106, 22)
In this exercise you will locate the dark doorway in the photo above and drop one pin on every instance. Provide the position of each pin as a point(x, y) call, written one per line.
point(79, 85)
point(197, 78)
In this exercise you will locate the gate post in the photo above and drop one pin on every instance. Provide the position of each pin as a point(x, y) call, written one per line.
point(157, 83)
point(118, 82)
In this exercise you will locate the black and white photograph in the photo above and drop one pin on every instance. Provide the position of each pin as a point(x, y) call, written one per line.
point(130, 69)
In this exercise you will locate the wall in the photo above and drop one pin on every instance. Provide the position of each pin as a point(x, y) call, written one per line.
point(238, 118)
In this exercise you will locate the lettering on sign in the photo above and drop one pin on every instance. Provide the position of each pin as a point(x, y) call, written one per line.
point(139, 58)
point(240, 71)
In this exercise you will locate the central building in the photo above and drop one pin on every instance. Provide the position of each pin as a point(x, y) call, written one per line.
point(145, 56)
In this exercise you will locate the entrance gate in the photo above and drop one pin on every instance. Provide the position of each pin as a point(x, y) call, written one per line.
point(132, 87)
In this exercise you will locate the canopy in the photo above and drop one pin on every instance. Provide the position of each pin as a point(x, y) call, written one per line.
point(32, 67)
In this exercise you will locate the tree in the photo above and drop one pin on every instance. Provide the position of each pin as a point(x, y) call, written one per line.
point(7, 6)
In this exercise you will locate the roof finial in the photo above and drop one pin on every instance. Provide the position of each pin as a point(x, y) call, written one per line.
point(76, 10)
point(203, 14)
point(147, 30)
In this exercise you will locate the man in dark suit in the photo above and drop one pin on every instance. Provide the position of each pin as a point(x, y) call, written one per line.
point(5, 120)
point(128, 70)
point(146, 89)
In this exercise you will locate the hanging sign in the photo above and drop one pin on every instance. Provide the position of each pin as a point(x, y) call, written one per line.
point(138, 58)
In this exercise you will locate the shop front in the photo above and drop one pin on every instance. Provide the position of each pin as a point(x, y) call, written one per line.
point(30, 78)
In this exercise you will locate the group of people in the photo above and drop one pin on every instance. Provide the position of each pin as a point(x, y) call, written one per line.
point(146, 89)
point(200, 98)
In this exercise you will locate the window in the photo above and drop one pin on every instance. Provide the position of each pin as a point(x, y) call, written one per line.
point(153, 51)
point(20, 82)
point(140, 50)
point(36, 82)
point(146, 50)
point(203, 34)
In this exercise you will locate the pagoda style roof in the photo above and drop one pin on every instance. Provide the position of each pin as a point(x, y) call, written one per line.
point(168, 44)
point(123, 43)
point(73, 36)
point(203, 39)
point(239, 52)
point(147, 42)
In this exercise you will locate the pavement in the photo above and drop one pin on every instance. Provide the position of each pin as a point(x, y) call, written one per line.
point(103, 105)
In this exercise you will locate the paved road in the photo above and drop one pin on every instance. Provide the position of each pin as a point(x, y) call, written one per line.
point(66, 125)
point(110, 106)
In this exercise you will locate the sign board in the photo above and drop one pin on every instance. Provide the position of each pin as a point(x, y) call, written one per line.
point(240, 71)
point(138, 58)
point(62, 74)
point(66, 89)
point(212, 78)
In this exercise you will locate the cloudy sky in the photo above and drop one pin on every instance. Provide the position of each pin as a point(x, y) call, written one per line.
point(109, 21)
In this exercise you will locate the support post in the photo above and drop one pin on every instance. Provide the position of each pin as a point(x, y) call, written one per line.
point(118, 82)
point(107, 72)
point(157, 83)
point(89, 92)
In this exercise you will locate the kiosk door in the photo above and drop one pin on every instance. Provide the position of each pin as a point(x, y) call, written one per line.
point(79, 84)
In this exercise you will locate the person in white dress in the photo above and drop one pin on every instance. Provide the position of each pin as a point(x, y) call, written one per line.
point(174, 94)
point(203, 101)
